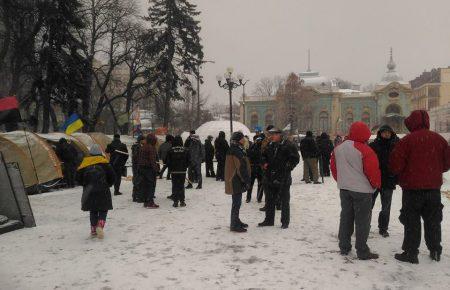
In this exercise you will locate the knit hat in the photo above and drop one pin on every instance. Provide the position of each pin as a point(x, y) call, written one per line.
point(275, 131)
point(237, 136)
point(95, 150)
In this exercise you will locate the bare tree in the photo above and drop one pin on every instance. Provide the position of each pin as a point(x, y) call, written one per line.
point(268, 87)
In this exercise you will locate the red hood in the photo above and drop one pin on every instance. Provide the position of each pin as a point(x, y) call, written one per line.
point(359, 132)
point(418, 119)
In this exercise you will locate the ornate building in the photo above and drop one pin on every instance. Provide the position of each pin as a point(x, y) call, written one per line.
point(323, 107)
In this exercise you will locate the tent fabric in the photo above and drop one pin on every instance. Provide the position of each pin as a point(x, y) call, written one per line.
point(47, 164)
point(101, 139)
point(54, 138)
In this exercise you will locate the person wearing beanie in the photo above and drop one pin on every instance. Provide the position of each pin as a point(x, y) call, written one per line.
point(134, 166)
point(209, 157)
point(383, 146)
point(148, 167)
point(278, 160)
point(237, 179)
point(310, 155)
point(178, 161)
point(196, 158)
point(221, 146)
point(162, 153)
point(254, 155)
point(354, 166)
point(118, 158)
point(419, 159)
point(96, 176)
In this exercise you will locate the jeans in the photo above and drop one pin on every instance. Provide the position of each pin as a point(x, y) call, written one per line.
point(178, 186)
point(385, 213)
point(425, 204)
point(310, 165)
point(195, 172)
point(273, 195)
point(235, 207)
point(356, 212)
point(96, 216)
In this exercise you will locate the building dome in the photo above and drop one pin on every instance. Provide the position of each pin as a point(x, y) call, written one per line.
point(391, 75)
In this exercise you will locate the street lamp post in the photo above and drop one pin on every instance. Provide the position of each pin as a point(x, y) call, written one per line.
point(230, 84)
point(243, 98)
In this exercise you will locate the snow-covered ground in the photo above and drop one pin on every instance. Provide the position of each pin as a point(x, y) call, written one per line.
point(192, 247)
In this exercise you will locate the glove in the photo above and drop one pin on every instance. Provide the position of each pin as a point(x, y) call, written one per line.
point(290, 166)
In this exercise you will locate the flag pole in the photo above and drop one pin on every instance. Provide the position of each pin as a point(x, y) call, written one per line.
point(32, 160)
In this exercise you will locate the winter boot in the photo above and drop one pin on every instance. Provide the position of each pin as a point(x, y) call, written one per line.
point(189, 186)
point(263, 208)
point(370, 256)
point(265, 224)
point(175, 204)
point(284, 226)
point(238, 230)
point(407, 257)
point(182, 204)
point(117, 193)
point(100, 226)
point(384, 233)
point(170, 197)
point(151, 205)
point(93, 231)
point(243, 225)
point(435, 256)
point(199, 186)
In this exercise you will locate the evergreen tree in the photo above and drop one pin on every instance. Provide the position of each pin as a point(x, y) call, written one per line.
point(175, 46)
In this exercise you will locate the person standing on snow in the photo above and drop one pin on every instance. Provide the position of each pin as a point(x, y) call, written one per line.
point(221, 146)
point(254, 155)
point(383, 145)
point(162, 153)
point(134, 166)
point(310, 153)
point(279, 159)
point(419, 159)
point(237, 179)
point(178, 161)
point(325, 149)
point(69, 158)
point(196, 158)
point(96, 176)
point(148, 170)
point(355, 168)
point(209, 157)
point(118, 158)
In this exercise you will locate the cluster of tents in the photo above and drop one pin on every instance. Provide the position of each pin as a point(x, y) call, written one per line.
point(36, 157)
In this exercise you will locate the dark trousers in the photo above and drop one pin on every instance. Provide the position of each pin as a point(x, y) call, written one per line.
point(273, 194)
point(195, 173)
point(325, 160)
point(235, 207)
point(96, 216)
point(220, 169)
point(255, 176)
point(178, 186)
point(210, 168)
point(385, 213)
point(69, 170)
point(163, 170)
point(356, 212)
point(118, 180)
point(147, 183)
point(425, 204)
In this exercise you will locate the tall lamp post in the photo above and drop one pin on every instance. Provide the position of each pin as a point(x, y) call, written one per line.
point(241, 77)
point(230, 84)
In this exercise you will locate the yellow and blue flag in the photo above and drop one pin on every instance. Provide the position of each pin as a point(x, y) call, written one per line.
point(72, 124)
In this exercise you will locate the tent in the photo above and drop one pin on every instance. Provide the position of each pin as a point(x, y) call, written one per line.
point(101, 139)
point(45, 165)
point(53, 139)
point(213, 127)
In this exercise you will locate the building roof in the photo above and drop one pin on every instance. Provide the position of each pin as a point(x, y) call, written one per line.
point(392, 75)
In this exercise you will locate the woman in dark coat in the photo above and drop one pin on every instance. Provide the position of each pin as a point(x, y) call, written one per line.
point(325, 149)
point(96, 176)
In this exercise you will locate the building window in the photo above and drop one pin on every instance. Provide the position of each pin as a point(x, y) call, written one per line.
point(269, 119)
point(323, 122)
point(254, 121)
point(393, 109)
point(366, 117)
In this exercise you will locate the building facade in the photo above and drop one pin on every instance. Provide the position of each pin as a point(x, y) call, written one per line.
point(431, 89)
point(332, 110)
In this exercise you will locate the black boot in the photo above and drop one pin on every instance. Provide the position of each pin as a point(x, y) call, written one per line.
point(265, 224)
point(170, 197)
point(189, 186)
point(407, 257)
point(370, 256)
point(384, 233)
point(284, 226)
point(238, 230)
point(249, 198)
point(263, 208)
point(435, 256)
point(182, 204)
point(244, 225)
point(175, 204)
point(199, 186)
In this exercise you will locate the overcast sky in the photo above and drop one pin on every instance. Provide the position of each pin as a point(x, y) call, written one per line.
point(348, 38)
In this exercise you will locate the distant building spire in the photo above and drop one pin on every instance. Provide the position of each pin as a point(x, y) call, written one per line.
point(391, 65)
point(309, 60)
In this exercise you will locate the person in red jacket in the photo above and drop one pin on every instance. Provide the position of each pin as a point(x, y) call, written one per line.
point(419, 159)
point(354, 166)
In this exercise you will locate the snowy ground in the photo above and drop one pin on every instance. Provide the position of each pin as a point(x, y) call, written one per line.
point(192, 248)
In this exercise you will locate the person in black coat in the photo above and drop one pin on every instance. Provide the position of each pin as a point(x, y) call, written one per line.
point(177, 161)
point(310, 153)
point(254, 155)
point(134, 166)
point(278, 159)
point(383, 146)
point(209, 157)
point(326, 147)
point(96, 176)
point(68, 155)
point(118, 159)
point(221, 146)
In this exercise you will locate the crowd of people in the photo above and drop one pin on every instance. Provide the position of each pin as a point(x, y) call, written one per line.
point(363, 171)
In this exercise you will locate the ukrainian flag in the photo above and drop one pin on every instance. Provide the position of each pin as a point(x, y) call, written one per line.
point(72, 124)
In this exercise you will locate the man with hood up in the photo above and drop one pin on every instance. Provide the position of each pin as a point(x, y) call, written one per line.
point(177, 161)
point(221, 146)
point(310, 154)
point(325, 149)
point(209, 157)
point(355, 168)
point(419, 159)
point(196, 158)
point(118, 159)
point(383, 146)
